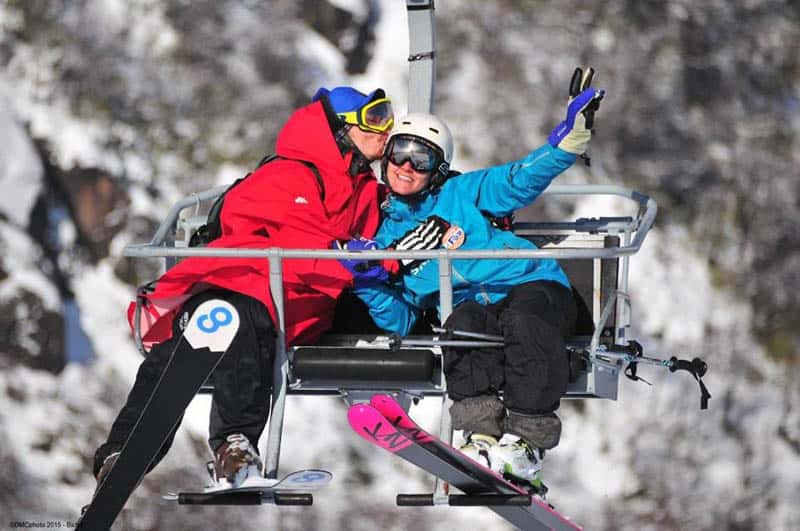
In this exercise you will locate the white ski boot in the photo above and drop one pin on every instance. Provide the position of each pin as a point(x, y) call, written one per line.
point(518, 462)
point(478, 448)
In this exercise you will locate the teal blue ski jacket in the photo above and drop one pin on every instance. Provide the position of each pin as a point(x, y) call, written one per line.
point(463, 201)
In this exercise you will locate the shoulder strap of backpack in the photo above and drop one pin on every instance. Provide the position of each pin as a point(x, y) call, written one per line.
point(212, 229)
point(310, 165)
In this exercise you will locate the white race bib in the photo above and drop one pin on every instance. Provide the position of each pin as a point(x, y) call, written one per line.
point(214, 325)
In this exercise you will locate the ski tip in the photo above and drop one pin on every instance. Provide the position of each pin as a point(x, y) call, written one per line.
point(382, 400)
point(373, 427)
point(381, 397)
point(355, 413)
point(359, 415)
point(387, 406)
point(170, 497)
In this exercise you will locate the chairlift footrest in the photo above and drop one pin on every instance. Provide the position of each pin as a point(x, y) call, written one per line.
point(464, 500)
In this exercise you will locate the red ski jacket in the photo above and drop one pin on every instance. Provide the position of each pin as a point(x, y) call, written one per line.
point(280, 205)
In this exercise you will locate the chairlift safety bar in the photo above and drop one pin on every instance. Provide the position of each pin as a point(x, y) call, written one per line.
point(640, 225)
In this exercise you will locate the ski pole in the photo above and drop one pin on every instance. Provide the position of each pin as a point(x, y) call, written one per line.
point(696, 367)
point(463, 333)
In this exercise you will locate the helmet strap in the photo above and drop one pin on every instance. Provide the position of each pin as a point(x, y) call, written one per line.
point(439, 176)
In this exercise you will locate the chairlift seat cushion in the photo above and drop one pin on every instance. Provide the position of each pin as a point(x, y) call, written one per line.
point(350, 363)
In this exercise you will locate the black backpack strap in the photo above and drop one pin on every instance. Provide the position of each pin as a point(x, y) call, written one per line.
point(267, 158)
point(311, 166)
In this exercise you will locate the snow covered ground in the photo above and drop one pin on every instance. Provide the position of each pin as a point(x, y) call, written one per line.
point(651, 460)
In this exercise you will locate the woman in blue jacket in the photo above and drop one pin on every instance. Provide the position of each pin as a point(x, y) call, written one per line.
point(529, 302)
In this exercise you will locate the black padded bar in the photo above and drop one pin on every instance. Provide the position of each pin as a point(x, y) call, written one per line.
point(487, 500)
point(254, 497)
point(250, 497)
point(464, 500)
point(415, 500)
point(293, 498)
point(321, 363)
point(318, 368)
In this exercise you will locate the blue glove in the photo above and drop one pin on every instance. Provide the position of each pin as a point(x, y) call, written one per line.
point(365, 272)
point(573, 134)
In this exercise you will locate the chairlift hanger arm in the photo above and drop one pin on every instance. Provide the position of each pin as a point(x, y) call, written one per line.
point(421, 55)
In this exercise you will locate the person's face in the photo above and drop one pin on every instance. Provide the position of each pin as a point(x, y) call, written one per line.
point(410, 162)
point(370, 144)
point(404, 179)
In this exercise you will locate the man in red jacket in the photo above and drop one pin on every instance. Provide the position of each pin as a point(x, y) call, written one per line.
point(319, 190)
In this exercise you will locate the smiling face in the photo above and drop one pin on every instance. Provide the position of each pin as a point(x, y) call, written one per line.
point(404, 179)
point(409, 164)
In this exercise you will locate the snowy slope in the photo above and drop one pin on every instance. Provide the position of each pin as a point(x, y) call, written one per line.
point(171, 100)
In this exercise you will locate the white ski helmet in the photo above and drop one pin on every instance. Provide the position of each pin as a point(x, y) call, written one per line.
point(434, 132)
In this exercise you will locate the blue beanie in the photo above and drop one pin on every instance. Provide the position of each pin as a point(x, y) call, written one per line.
point(346, 99)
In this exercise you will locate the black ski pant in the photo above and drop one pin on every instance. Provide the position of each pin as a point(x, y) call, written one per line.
point(242, 380)
point(532, 370)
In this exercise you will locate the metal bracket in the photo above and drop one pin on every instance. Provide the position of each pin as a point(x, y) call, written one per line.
point(421, 56)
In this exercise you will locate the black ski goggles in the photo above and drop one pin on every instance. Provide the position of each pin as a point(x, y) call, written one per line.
point(423, 157)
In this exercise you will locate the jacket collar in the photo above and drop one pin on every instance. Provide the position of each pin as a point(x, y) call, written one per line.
point(397, 208)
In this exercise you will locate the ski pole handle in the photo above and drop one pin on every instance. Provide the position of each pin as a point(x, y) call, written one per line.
point(696, 366)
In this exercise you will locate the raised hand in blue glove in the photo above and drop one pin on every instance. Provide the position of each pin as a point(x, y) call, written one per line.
point(365, 272)
point(573, 134)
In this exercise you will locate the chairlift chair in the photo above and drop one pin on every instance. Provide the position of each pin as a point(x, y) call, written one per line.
point(594, 252)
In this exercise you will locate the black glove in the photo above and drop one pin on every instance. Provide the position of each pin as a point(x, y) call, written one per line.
point(424, 237)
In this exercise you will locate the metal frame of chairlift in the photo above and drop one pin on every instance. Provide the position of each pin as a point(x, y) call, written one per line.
point(602, 352)
point(604, 362)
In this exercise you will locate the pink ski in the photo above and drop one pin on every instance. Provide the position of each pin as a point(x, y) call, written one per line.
point(384, 423)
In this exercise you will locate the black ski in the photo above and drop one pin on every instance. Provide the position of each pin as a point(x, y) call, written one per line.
point(210, 331)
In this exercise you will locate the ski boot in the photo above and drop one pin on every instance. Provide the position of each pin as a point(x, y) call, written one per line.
point(519, 463)
point(108, 463)
point(478, 448)
point(236, 460)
